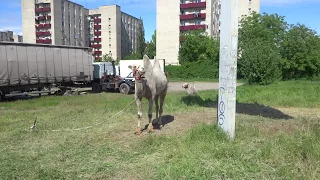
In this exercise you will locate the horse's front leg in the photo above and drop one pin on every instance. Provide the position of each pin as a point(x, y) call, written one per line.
point(150, 127)
point(139, 105)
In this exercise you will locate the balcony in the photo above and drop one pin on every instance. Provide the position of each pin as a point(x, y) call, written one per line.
point(47, 41)
point(193, 5)
point(42, 9)
point(43, 25)
point(97, 33)
point(97, 52)
point(97, 58)
point(97, 20)
point(97, 39)
point(43, 18)
point(193, 16)
point(97, 26)
point(192, 27)
point(96, 46)
point(44, 41)
point(47, 33)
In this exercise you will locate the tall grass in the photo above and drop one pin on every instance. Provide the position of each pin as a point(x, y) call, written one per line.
point(264, 148)
point(282, 94)
point(205, 153)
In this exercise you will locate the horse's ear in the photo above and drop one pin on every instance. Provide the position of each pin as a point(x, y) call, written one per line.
point(146, 62)
point(130, 67)
point(145, 57)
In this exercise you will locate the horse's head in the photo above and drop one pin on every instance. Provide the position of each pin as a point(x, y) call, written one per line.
point(138, 72)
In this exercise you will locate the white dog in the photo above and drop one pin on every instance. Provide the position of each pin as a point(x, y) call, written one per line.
point(191, 90)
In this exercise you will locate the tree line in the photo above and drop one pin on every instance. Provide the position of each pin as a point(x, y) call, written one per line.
point(269, 50)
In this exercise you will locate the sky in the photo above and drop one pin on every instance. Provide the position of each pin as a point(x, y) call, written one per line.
point(295, 11)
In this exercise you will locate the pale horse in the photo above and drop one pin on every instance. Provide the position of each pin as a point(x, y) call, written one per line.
point(151, 83)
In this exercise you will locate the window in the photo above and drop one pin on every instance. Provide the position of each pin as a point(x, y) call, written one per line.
point(196, 11)
point(197, 22)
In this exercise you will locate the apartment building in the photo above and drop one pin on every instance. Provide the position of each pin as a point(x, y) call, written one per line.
point(9, 36)
point(6, 36)
point(60, 22)
point(106, 29)
point(17, 38)
point(186, 15)
point(113, 32)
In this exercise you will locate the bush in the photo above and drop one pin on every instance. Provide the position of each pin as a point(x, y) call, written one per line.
point(300, 51)
point(199, 69)
point(198, 56)
point(260, 63)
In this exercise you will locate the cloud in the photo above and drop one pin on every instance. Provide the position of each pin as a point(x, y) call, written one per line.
point(285, 2)
point(15, 29)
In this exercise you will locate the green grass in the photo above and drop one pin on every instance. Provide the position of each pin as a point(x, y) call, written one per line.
point(199, 80)
point(192, 80)
point(282, 94)
point(264, 148)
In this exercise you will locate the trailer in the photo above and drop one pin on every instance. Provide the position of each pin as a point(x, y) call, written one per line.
point(26, 67)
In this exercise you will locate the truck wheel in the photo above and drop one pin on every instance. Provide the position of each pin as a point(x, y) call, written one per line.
point(96, 88)
point(1, 96)
point(124, 88)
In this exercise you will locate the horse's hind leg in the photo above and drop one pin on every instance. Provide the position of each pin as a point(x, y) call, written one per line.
point(162, 97)
point(139, 104)
point(150, 127)
point(156, 101)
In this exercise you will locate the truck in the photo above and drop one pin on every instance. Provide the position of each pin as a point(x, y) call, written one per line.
point(27, 68)
point(125, 72)
point(107, 77)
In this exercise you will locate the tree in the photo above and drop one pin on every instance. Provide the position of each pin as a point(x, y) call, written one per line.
point(151, 46)
point(107, 58)
point(198, 46)
point(264, 27)
point(260, 63)
point(198, 56)
point(300, 51)
point(133, 56)
point(141, 40)
point(260, 37)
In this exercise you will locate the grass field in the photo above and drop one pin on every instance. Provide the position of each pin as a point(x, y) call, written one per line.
point(277, 137)
point(200, 80)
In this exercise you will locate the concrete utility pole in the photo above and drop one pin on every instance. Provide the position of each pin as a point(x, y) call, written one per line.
point(228, 66)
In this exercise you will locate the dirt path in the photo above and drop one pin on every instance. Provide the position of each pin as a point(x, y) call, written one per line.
point(177, 86)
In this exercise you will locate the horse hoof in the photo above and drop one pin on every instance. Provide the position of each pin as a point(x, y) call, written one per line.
point(150, 130)
point(138, 131)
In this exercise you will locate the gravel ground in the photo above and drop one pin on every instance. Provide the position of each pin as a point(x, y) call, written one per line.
point(173, 87)
point(177, 86)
